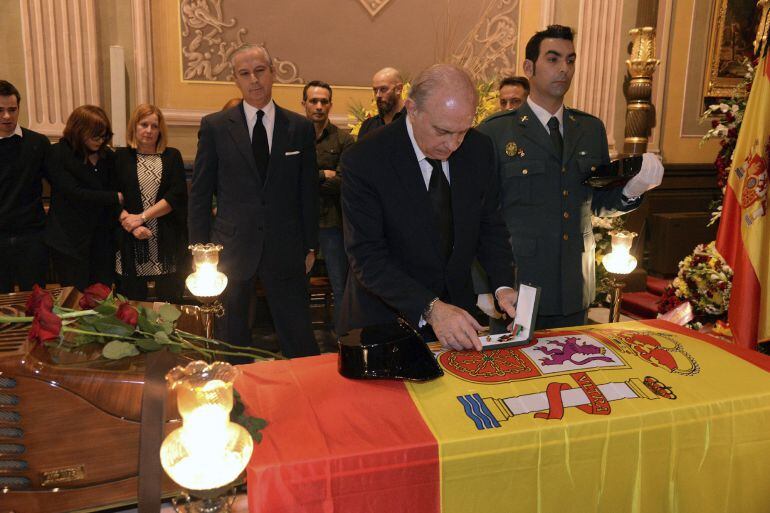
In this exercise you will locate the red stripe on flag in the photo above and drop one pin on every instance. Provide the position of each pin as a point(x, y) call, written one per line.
point(334, 444)
point(743, 312)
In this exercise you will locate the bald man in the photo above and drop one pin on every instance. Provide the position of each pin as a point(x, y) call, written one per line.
point(387, 85)
point(420, 202)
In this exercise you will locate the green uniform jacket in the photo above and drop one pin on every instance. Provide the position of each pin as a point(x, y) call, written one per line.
point(546, 206)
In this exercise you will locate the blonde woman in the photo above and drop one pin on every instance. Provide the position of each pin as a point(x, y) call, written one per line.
point(152, 238)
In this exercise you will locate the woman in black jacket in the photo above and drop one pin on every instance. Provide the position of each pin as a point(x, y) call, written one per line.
point(152, 241)
point(83, 208)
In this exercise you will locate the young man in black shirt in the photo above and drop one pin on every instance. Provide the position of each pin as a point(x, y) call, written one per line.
point(23, 255)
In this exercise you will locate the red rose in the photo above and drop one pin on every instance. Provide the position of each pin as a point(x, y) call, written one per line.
point(45, 326)
point(94, 295)
point(39, 298)
point(127, 314)
point(714, 123)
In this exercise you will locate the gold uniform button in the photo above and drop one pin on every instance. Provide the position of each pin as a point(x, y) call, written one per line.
point(565, 193)
point(565, 237)
point(564, 169)
point(593, 168)
point(566, 215)
point(524, 171)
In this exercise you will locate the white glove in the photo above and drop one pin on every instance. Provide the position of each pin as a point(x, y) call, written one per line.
point(648, 177)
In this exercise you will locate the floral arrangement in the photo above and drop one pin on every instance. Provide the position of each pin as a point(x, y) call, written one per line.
point(726, 119)
point(488, 105)
point(704, 280)
point(602, 226)
point(109, 321)
point(119, 328)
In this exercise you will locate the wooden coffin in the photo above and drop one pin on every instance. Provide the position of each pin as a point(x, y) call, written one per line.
point(69, 424)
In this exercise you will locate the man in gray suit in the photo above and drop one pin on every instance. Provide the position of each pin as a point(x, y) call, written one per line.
point(545, 151)
point(259, 160)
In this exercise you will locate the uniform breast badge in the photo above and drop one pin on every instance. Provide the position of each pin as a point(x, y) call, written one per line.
point(524, 118)
point(510, 149)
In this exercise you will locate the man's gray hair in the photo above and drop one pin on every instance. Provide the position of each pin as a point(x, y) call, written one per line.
point(247, 47)
point(440, 75)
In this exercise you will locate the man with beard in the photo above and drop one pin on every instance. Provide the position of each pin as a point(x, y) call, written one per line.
point(387, 85)
point(330, 143)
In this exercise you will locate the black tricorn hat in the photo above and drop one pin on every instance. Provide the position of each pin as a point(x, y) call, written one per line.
point(386, 351)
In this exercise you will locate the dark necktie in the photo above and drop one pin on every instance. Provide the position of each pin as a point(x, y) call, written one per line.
point(441, 201)
point(259, 146)
point(558, 142)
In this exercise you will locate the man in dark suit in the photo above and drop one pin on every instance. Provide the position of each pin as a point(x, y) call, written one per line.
point(544, 153)
point(387, 85)
point(259, 161)
point(420, 202)
point(23, 254)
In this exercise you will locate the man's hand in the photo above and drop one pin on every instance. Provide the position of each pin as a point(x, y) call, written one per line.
point(309, 261)
point(141, 233)
point(648, 177)
point(131, 221)
point(329, 173)
point(454, 327)
point(506, 298)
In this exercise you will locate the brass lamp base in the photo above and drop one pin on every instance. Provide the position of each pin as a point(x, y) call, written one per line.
point(617, 285)
point(210, 308)
point(206, 501)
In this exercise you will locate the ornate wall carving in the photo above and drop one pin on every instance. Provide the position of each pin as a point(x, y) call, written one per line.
point(373, 7)
point(408, 35)
point(208, 40)
point(60, 50)
point(489, 49)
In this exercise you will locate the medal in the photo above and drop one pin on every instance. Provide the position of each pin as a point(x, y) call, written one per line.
point(510, 149)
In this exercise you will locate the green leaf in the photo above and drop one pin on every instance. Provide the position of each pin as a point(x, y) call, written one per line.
point(167, 327)
point(152, 315)
point(116, 350)
point(148, 344)
point(169, 312)
point(161, 337)
point(144, 323)
point(113, 326)
point(175, 349)
point(106, 308)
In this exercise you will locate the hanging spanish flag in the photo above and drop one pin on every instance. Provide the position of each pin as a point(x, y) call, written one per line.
point(744, 230)
point(640, 416)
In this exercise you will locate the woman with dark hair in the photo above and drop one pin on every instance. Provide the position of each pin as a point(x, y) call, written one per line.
point(83, 207)
point(152, 244)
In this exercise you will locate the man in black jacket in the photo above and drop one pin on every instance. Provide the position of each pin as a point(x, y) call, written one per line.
point(259, 160)
point(420, 202)
point(23, 255)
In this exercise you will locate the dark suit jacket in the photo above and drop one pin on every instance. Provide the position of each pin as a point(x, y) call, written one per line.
point(546, 206)
point(22, 209)
point(172, 228)
point(390, 237)
point(81, 200)
point(276, 222)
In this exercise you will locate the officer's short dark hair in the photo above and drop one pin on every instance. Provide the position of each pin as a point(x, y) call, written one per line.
point(316, 83)
point(515, 81)
point(532, 51)
point(7, 89)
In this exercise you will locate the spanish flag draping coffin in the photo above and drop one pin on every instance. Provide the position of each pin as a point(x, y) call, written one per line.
point(69, 431)
point(642, 416)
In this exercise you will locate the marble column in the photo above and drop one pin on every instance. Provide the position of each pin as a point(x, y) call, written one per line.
point(61, 54)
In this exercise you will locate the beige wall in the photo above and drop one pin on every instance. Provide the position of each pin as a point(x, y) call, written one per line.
point(681, 77)
point(12, 62)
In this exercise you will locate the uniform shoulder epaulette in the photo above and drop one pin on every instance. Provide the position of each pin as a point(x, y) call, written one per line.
point(500, 114)
point(577, 112)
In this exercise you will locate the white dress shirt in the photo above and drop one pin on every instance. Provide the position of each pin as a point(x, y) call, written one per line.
point(17, 131)
point(544, 116)
point(268, 120)
point(422, 160)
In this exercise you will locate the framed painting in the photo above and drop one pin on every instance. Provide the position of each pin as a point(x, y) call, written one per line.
point(731, 39)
